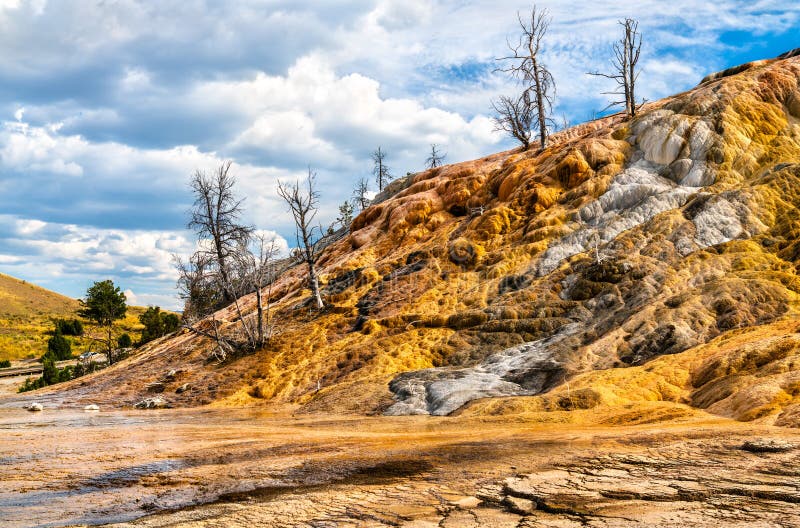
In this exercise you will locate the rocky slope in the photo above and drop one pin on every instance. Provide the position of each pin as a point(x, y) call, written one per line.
point(630, 261)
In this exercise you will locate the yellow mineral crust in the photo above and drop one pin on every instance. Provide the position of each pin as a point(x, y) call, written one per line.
point(653, 265)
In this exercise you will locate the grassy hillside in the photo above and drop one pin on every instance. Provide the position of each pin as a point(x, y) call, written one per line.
point(27, 312)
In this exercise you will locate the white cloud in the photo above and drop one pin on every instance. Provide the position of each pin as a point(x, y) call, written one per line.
point(131, 297)
point(123, 101)
point(138, 260)
point(33, 148)
point(394, 16)
point(27, 227)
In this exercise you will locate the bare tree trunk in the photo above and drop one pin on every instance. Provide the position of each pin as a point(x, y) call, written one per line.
point(108, 344)
point(260, 316)
point(312, 275)
point(269, 297)
point(634, 49)
point(247, 330)
point(629, 107)
point(540, 105)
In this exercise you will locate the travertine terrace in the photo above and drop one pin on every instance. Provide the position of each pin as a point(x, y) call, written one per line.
point(627, 263)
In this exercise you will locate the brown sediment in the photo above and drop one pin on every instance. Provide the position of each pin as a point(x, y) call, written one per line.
point(243, 467)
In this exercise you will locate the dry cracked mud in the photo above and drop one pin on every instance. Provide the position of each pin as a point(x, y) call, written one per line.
point(248, 467)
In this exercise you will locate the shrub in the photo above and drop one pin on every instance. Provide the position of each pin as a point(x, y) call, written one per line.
point(65, 374)
point(171, 323)
point(31, 384)
point(71, 327)
point(157, 323)
point(83, 368)
point(5, 363)
point(59, 346)
point(50, 375)
point(124, 341)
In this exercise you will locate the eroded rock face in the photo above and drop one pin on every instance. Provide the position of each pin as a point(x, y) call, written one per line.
point(701, 186)
point(666, 169)
point(522, 370)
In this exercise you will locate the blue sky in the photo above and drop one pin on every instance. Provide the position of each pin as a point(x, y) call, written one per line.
point(108, 107)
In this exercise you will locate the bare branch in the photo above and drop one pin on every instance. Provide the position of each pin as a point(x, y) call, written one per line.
point(538, 84)
point(436, 157)
point(303, 204)
point(626, 57)
point(360, 199)
point(215, 217)
point(514, 117)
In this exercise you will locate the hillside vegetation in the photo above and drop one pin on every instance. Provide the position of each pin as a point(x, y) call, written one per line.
point(27, 313)
point(630, 262)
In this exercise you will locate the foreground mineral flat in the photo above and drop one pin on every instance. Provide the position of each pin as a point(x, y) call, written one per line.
point(247, 467)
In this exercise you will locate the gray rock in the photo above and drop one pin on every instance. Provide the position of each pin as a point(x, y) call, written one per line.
point(519, 505)
point(152, 403)
point(35, 407)
point(522, 370)
point(156, 386)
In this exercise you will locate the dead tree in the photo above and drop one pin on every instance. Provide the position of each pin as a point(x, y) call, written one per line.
point(264, 275)
point(626, 57)
point(436, 158)
point(360, 199)
point(198, 283)
point(256, 270)
point(514, 117)
point(215, 217)
point(303, 202)
point(380, 170)
point(345, 214)
point(527, 68)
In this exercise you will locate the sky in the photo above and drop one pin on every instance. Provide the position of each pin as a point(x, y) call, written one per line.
point(108, 107)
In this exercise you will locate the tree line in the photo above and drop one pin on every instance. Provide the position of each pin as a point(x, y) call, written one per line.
point(104, 305)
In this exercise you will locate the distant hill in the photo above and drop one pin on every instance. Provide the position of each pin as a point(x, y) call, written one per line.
point(27, 312)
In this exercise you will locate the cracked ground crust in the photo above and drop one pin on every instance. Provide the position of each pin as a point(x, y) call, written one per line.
point(184, 468)
point(649, 483)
